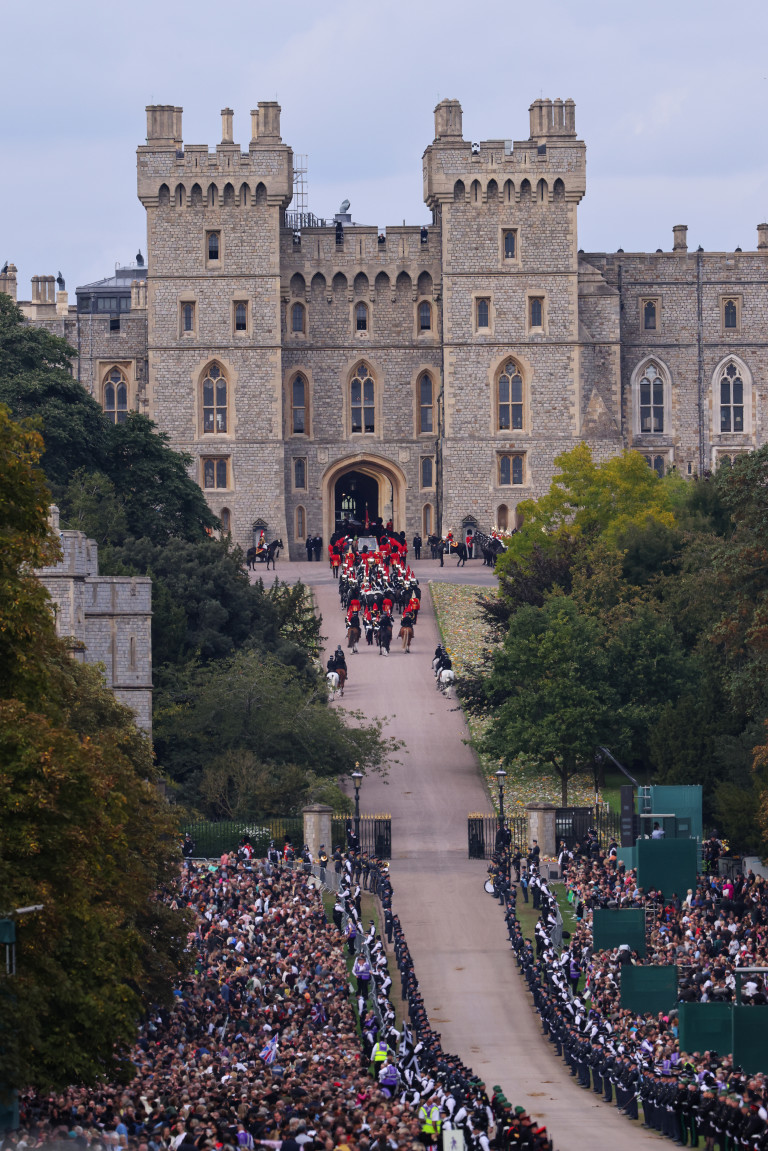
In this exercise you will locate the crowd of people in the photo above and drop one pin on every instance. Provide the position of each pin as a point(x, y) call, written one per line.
point(264, 1046)
point(631, 1058)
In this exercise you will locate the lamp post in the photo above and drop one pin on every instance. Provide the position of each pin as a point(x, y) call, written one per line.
point(357, 779)
point(501, 775)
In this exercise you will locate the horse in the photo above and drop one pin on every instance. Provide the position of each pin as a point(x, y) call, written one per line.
point(445, 680)
point(491, 548)
point(460, 550)
point(353, 637)
point(273, 551)
point(250, 558)
point(406, 634)
point(333, 682)
point(385, 636)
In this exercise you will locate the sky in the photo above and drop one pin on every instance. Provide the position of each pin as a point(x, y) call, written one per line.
point(670, 95)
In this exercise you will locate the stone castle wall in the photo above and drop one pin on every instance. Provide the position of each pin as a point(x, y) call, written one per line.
point(108, 618)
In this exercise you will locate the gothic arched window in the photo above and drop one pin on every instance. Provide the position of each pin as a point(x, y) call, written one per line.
point(509, 407)
point(362, 396)
point(214, 401)
point(651, 401)
point(426, 405)
point(731, 399)
point(116, 396)
point(299, 406)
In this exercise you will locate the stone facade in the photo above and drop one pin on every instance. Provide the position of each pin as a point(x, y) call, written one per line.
point(107, 618)
point(485, 344)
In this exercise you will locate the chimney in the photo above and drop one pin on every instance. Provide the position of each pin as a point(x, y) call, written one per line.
point(164, 125)
point(680, 233)
point(35, 289)
point(53, 517)
point(552, 118)
point(226, 125)
point(8, 281)
point(254, 125)
point(762, 236)
point(269, 121)
point(448, 124)
point(62, 303)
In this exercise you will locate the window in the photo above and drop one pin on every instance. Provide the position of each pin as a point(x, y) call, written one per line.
point(502, 517)
point(651, 401)
point(510, 403)
point(301, 523)
point(116, 396)
point(483, 312)
point(114, 323)
point(299, 406)
point(297, 318)
point(427, 472)
point(730, 314)
point(214, 402)
point(649, 315)
point(225, 518)
point(658, 464)
point(215, 472)
point(213, 245)
point(300, 473)
point(132, 653)
point(361, 317)
point(426, 405)
point(510, 245)
point(536, 312)
point(511, 469)
point(187, 318)
point(425, 316)
point(241, 316)
point(427, 521)
point(362, 401)
point(731, 400)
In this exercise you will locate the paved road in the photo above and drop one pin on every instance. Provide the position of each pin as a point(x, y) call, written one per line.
point(471, 987)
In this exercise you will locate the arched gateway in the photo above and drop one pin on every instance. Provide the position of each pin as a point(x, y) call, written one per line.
point(359, 484)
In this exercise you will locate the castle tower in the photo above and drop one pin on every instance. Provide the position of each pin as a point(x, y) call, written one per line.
point(510, 280)
point(213, 303)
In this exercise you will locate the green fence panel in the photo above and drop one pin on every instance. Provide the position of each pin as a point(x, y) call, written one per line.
point(706, 1027)
point(750, 1038)
point(667, 865)
point(611, 928)
point(651, 989)
point(627, 856)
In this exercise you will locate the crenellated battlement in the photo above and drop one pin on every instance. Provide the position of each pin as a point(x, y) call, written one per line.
point(548, 165)
point(172, 175)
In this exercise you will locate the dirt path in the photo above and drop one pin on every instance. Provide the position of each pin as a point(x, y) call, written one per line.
point(456, 933)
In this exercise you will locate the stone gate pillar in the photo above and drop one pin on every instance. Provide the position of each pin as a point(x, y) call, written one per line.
point(317, 827)
point(541, 827)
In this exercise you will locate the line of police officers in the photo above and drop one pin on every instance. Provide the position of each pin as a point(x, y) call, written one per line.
point(680, 1104)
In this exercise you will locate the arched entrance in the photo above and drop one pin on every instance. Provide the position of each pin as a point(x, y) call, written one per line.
point(359, 483)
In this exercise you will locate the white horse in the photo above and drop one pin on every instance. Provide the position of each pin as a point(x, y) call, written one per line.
point(445, 680)
point(333, 683)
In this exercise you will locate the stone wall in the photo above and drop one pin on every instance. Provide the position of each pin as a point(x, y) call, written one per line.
point(108, 618)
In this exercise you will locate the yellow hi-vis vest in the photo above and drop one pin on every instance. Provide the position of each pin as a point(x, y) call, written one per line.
point(380, 1053)
point(430, 1119)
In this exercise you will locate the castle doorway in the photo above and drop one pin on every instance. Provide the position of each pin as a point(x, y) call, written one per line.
point(356, 499)
point(360, 484)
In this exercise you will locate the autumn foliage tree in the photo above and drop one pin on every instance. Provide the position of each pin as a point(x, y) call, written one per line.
point(83, 829)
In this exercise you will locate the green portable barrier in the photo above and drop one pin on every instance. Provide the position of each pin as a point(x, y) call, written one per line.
point(651, 989)
point(611, 928)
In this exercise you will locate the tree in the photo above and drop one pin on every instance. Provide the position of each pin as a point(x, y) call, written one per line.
point(87, 835)
point(255, 703)
point(550, 690)
point(27, 636)
point(36, 380)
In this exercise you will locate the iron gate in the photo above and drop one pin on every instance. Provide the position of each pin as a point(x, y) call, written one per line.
point(481, 834)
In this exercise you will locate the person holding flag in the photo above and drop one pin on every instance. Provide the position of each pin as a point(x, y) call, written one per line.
point(269, 1052)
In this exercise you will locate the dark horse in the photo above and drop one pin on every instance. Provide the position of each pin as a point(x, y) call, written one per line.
point(491, 548)
point(457, 549)
point(266, 555)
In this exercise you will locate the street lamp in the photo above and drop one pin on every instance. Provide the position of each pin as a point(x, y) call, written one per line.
point(501, 775)
point(357, 779)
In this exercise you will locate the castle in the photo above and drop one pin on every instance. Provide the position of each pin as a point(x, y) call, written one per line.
point(107, 619)
point(430, 375)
